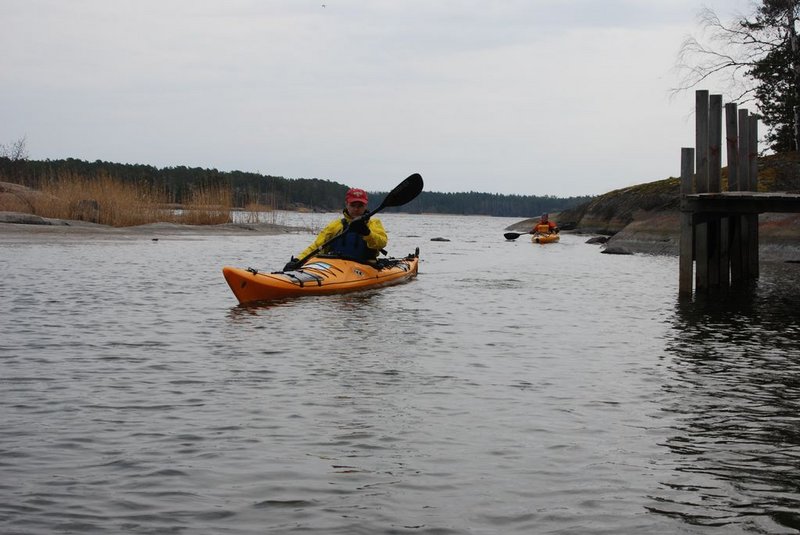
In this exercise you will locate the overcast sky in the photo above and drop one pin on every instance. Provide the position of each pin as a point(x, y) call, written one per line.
point(529, 97)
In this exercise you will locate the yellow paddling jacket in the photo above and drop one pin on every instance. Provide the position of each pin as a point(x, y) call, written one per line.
point(374, 241)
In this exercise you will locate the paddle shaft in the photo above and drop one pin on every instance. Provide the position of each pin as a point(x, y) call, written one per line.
point(515, 235)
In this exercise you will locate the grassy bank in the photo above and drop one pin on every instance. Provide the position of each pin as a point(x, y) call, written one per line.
point(110, 201)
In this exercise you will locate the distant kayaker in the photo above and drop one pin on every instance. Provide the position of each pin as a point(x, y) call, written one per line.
point(545, 226)
point(363, 236)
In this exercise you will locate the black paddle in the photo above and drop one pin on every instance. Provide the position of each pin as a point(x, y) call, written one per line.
point(405, 192)
point(515, 235)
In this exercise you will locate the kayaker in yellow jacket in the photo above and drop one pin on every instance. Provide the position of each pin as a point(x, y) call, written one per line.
point(363, 236)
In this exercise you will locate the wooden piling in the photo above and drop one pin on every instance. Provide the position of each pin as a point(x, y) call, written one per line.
point(685, 269)
point(745, 222)
point(752, 156)
point(714, 143)
point(701, 141)
point(701, 239)
point(734, 221)
point(719, 230)
point(716, 273)
point(744, 152)
point(732, 144)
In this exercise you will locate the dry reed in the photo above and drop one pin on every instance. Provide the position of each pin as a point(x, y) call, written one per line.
point(110, 201)
point(102, 200)
point(208, 205)
point(259, 213)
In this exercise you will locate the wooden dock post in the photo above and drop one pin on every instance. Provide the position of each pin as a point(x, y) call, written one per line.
point(717, 247)
point(719, 230)
point(744, 185)
point(685, 269)
point(734, 221)
point(701, 241)
point(752, 162)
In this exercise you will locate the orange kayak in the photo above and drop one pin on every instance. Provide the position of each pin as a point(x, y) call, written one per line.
point(321, 275)
point(551, 237)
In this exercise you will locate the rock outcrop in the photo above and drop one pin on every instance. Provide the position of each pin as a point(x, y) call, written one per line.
point(646, 218)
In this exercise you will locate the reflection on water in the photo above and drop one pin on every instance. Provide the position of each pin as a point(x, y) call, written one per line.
point(734, 396)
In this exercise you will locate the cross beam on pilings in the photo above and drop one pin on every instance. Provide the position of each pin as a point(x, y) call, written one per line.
point(719, 229)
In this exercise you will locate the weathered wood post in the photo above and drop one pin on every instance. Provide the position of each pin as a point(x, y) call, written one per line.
point(685, 268)
point(744, 146)
point(752, 155)
point(718, 248)
point(734, 221)
point(744, 185)
point(714, 144)
point(701, 186)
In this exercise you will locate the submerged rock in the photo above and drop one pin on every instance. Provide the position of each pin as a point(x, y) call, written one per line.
point(20, 218)
point(615, 249)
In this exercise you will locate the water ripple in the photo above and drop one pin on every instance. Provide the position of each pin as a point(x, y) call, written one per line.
point(480, 398)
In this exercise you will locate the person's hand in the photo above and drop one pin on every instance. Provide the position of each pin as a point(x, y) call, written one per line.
point(292, 265)
point(360, 226)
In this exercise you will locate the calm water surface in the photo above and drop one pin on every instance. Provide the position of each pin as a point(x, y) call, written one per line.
point(510, 388)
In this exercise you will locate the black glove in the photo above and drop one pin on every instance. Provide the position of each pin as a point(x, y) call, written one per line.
point(360, 226)
point(292, 265)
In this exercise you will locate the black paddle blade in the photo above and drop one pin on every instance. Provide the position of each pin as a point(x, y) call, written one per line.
point(513, 235)
point(405, 192)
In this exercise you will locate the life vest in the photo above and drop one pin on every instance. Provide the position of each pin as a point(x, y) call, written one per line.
point(352, 245)
point(543, 228)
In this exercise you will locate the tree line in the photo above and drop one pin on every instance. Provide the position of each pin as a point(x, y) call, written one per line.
point(274, 192)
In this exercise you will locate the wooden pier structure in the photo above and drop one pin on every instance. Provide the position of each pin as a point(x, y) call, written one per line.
point(719, 229)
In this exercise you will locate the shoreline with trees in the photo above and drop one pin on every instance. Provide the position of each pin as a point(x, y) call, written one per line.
point(131, 194)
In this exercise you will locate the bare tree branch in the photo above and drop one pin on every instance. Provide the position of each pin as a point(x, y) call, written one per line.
point(16, 150)
point(751, 59)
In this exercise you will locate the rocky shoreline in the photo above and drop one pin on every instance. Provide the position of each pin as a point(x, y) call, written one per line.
point(658, 233)
point(645, 219)
point(21, 226)
point(654, 233)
